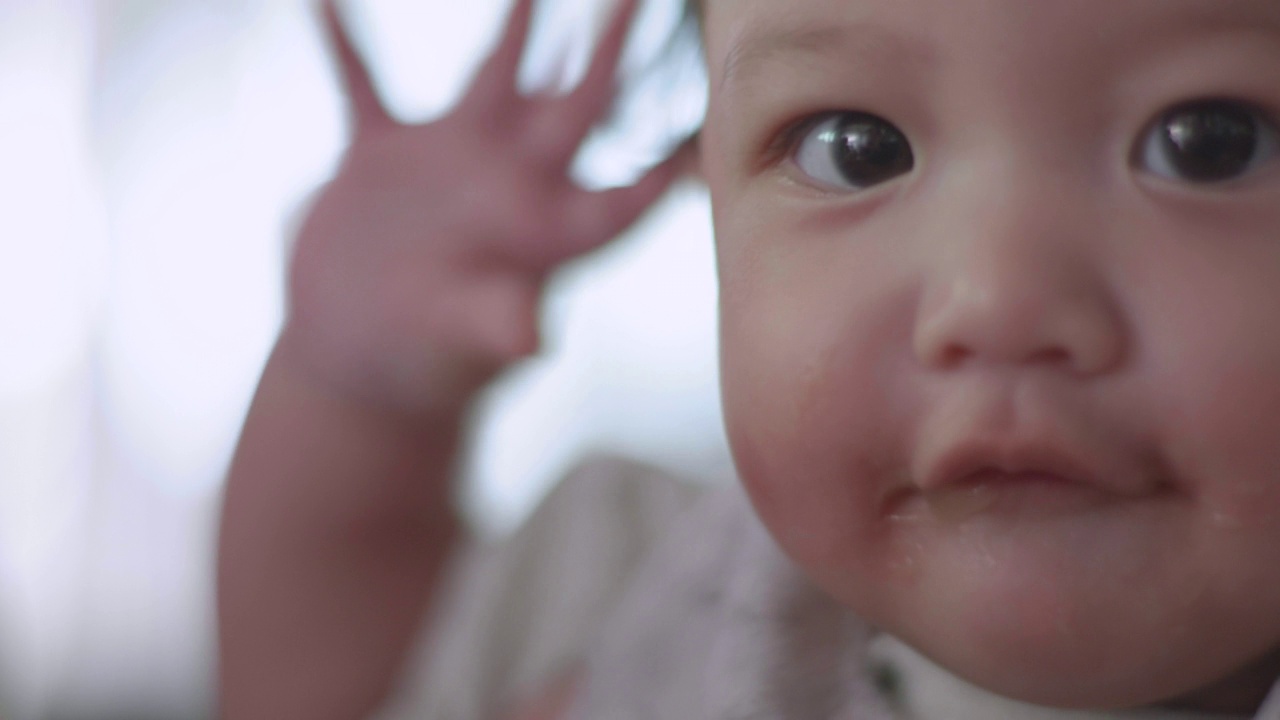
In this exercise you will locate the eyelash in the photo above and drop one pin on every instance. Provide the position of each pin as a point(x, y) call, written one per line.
point(782, 144)
point(1149, 155)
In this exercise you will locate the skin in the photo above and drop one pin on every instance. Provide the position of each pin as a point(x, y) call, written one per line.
point(1091, 342)
point(416, 279)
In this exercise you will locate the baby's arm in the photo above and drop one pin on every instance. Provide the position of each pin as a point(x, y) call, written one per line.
point(416, 279)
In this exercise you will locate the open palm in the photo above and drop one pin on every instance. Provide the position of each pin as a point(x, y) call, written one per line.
point(418, 271)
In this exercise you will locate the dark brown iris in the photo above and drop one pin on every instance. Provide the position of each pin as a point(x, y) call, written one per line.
point(869, 150)
point(1210, 141)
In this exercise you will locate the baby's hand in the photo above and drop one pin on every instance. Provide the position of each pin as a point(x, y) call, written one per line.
point(418, 272)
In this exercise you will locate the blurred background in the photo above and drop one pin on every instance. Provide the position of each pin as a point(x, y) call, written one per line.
point(154, 155)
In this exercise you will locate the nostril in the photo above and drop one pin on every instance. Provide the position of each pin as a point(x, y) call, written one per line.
point(952, 355)
point(1050, 356)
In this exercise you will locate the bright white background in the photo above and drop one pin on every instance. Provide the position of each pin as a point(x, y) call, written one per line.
point(153, 156)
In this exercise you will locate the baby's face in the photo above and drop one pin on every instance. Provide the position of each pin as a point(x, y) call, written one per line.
point(1001, 326)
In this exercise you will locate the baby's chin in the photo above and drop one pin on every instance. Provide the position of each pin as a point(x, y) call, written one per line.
point(1067, 675)
point(1049, 638)
point(1020, 665)
point(1053, 614)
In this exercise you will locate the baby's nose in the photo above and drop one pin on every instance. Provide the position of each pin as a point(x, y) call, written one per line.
point(1012, 292)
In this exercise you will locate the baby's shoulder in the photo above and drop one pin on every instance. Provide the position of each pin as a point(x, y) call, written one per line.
point(717, 622)
point(518, 612)
point(610, 494)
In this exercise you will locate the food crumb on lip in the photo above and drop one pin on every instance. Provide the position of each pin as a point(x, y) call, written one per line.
point(959, 503)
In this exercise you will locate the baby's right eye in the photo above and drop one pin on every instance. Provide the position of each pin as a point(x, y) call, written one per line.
point(852, 150)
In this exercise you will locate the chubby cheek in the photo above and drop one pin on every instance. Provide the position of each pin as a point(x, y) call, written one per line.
point(1213, 336)
point(1225, 434)
point(1211, 332)
point(810, 347)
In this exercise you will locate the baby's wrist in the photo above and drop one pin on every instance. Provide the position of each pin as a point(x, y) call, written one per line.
point(436, 392)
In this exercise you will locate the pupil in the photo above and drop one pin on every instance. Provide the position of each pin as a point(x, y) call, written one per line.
point(1210, 141)
point(869, 150)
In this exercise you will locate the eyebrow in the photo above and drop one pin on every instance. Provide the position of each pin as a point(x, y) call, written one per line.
point(1224, 17)
point(871, 44)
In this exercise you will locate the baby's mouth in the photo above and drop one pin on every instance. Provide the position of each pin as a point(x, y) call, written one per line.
point(1026, 493)
point(1016, 480)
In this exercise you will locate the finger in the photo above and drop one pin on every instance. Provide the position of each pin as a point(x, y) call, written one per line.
point(362, 96)
point(495, 83)
point(594, 218)
point(563, 128)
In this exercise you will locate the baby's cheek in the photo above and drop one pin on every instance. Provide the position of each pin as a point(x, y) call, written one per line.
point(1205, 318)
point(1223, 439)
point(808, 339)
point(801, 461)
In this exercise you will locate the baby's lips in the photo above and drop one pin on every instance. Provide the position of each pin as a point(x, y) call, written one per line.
point(1014, 459)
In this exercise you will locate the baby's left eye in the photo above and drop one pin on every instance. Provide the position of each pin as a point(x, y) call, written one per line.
point(1209, 141)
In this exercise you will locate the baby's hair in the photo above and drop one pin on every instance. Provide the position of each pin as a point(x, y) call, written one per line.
point(693, 11)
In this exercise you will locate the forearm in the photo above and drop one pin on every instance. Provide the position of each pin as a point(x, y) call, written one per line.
point(336, 527)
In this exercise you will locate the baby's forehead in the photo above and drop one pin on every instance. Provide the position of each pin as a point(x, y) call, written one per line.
point(948, 18)
point(741, 32)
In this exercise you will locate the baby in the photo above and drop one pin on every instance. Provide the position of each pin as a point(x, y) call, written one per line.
point(1000, 335)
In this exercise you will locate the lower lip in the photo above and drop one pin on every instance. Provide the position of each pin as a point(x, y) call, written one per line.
point(1002, 494)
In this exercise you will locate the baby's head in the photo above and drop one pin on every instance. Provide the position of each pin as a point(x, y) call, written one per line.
point(1001, 327)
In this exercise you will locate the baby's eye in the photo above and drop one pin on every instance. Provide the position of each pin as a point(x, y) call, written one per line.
point(1209, 141)
point(853, 150)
